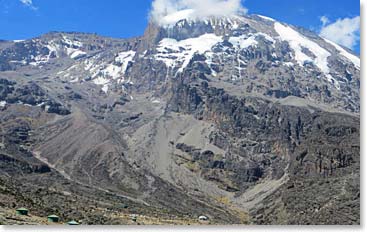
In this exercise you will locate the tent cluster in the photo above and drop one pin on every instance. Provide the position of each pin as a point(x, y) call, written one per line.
point(51, 218)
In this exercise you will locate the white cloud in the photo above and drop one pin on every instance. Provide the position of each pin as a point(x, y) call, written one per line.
point(171, 11)
point(325, 20)
point(345, 31)
point(28, 3)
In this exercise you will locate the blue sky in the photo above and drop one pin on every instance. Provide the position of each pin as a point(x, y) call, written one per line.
point(22, 19)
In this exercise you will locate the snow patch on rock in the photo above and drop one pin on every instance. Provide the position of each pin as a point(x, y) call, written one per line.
point(179, 53)
point(242, 42)
point(77, 54)
point(2, 104)
point(101, 81)
point(266, 18)
point(298, 42)
point(102, 73)
point(352, 58)
point(124, 58)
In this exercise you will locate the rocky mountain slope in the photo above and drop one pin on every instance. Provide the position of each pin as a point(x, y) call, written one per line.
point(242, 119)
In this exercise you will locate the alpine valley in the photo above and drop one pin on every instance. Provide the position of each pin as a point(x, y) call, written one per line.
point(240, 119)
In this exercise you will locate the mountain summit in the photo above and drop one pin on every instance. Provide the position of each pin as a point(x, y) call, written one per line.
point(242, 119)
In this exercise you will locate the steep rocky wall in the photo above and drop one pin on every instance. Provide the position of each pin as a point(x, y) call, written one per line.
point(267, 140)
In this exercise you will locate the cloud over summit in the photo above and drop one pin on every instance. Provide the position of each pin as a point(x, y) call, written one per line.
point(170, 11)
point(345, 31)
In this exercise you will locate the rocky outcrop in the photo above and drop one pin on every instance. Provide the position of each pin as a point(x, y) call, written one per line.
point(30, 94)
point(268, 140)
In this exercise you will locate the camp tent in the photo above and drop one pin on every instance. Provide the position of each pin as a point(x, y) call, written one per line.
point(53, 218)
point(203, 218)
point(73, 223)
point(22, 211)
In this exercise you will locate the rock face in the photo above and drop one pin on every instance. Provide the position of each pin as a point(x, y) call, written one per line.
point(243, 119)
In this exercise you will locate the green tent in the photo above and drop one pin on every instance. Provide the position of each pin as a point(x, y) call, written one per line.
point(53, 218)
point(22, 211)
point(73, 223)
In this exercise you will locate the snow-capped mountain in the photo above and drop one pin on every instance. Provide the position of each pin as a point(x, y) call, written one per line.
point(262, 55)
point(241, 118)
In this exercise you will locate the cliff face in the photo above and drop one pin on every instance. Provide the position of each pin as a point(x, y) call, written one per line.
point(314, 150)
point(242, 119)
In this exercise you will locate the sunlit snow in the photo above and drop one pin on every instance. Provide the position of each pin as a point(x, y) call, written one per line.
point(297, 42)
point(77, 54)
point(173, 52)
point(266, 18)
point(243, 42)
point(352, 58)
